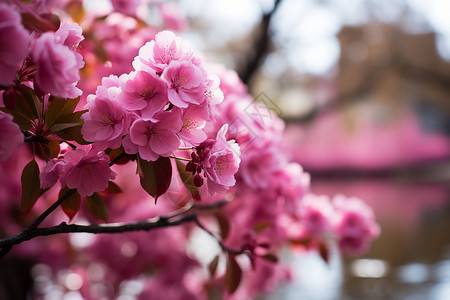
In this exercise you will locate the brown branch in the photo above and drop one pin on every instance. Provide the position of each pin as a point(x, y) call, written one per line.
point(221, 244)
point(261, 45)
point(30, 233)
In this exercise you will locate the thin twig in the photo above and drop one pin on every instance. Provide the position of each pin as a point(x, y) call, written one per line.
point(221, 244)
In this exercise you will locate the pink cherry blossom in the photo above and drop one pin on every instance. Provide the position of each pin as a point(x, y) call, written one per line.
point(106, 122)
point(172, 16)
point(53, 170)
point(260, 160)
point(144, 93)
point(316, 213)
point(157, 54)
point(10, 136)
point(127, 7)
point(14, 41)
point(186, 83)
point(194, 120)
point(88, 173)
point(70, 35)
point(292, 182)
point(57, 66)
point(154, 138)
point(221, 163)
point(354, 224)
point(213, 91)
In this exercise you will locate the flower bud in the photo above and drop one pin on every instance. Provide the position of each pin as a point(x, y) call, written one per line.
point(191, 167)
point(198, 180)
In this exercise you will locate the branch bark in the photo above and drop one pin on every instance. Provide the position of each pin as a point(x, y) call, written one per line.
point(32, 231)
point(261, 45)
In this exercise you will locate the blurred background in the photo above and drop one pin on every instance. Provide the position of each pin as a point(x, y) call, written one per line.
point(364, 86)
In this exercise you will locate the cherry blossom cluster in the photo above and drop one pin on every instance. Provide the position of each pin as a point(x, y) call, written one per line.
point(164, 104)
point(349, 220)
point(46, 58)
point(148, 95)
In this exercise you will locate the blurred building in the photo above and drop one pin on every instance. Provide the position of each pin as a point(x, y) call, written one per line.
point(388, 104)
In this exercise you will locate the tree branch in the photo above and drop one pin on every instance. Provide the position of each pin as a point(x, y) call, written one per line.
point(221, 244)
point(7, 243)
point(261, 45)
point(33, 231)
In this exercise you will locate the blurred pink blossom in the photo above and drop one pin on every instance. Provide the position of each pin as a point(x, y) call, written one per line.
point(127, 7)
point(11, 136)
point(57, 66)
point(354, 224)
point(14, 41)
point(172, 17)
point(316, 214)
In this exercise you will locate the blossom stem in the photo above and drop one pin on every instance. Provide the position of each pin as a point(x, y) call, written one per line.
point(185, 148)
point(221, 244)
point(180, 158)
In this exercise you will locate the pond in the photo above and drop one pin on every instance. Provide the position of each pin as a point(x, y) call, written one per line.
point(409, 260)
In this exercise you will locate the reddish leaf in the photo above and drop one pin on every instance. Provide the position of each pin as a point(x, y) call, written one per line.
point(73, 134)
point(71, 205)
point(188, 180)
point(212, 266)
point(40, 23)
point(155, 176)
point(114, 153)
point(61, 111)
point(270, 257)
point(324, 253)
point(27, 107)
point(31, 189)
point(224, 224)
point(233, 274)
point(96, 207)
point(112, 188)
point(46, 151)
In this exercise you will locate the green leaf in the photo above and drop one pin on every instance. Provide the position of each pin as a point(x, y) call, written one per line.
point(27, 107)
point(63, 126)
point(31, 100)
point(71, 205)
point(73, 134)
point(60, 111)
point(188, 180)
point(155, 176)
point(261, 226)
point(31, 189)
point(212, 266)
point(96, 207)
point(233, 275)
